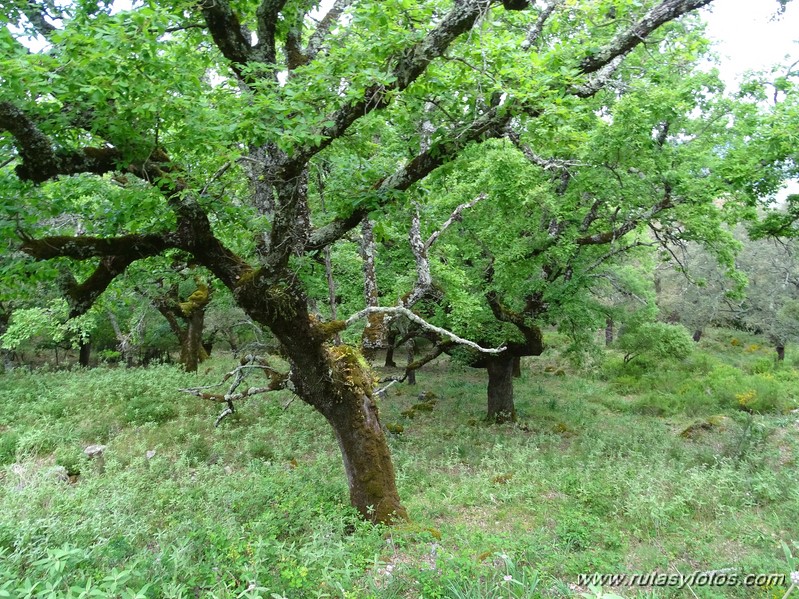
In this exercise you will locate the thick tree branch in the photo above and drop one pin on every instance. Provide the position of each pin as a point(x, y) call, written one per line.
point(40, 161)
point(490, 125)
point(227, 32)
point(624, 42)
point(81, 296)
point(130, 247)
point(407, 69)
point(267, 17)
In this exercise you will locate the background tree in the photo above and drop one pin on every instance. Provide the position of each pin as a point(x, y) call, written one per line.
point(642, 170)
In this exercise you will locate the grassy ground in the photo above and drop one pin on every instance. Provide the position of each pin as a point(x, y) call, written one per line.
point(623, 469)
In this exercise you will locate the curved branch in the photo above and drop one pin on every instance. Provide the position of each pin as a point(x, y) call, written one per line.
point(40, 161)
point(82, 296)
point(130, 247)
point(407, 69)
point(490, 125)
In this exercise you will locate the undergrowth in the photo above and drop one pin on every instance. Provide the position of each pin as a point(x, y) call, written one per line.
point(667, 466)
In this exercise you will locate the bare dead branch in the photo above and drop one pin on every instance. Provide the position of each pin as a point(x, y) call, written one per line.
point(455, 216)
point(278, 381)
point(422, 323)
point(538, 26)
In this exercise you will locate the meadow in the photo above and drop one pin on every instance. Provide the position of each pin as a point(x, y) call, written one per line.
point(672, 467)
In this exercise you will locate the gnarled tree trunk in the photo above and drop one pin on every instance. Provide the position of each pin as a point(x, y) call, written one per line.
point(192, 314)
point(367, 460)
point(336, 381)
point(192, 350)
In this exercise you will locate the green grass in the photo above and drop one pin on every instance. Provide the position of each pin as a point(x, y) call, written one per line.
point(668, 467)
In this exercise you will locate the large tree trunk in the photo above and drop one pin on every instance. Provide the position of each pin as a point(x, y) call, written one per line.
point(500, 389)
point(367, 460)
point(336, 381)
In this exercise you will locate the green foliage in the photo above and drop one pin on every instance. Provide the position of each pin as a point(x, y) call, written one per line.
point(49, 325)
point(657, 341)
point(8, 447)
point(71, 459)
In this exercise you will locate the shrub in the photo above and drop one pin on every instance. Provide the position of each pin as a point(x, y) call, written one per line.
point(657, 340)
point(71, 458)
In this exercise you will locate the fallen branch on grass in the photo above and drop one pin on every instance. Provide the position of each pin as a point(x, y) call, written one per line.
point(277, 381)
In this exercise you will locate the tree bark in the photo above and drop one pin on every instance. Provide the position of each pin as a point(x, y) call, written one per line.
point(517, 367)
point(500, 389)
point(367, 460)
point(192, 314)
point(192, 351)
point(411, 380)
point(374, 334)
point(390, 341)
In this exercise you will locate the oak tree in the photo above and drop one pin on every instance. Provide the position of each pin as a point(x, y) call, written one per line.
point(199, 123)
